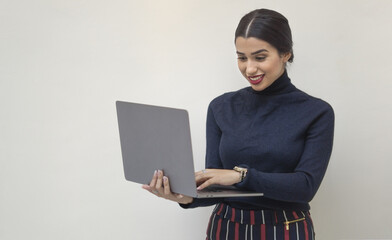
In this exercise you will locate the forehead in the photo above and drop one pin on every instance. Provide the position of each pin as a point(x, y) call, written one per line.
point(249, 45)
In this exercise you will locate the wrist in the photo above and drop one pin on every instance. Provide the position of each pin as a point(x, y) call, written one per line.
point(242, 172)
point(187, 201)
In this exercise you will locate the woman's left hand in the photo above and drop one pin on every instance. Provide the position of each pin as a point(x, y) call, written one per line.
point(208, 177)
point(160, 187)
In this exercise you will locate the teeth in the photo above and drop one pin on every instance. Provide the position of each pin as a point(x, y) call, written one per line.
point(255, 78)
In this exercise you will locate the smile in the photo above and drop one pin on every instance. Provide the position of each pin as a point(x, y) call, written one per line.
point(256, 79)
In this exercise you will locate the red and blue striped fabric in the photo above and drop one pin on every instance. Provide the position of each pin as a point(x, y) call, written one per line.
point(227, 223)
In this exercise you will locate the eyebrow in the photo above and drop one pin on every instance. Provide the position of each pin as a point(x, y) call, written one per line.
point(254, 53)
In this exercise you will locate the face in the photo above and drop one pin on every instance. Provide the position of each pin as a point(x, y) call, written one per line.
point(259, 62)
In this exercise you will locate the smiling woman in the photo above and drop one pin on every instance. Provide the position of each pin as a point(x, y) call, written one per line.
point(264, 46)
point(270, 138)
point(259, 62)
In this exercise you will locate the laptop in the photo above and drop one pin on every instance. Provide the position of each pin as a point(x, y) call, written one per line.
point(158, 138)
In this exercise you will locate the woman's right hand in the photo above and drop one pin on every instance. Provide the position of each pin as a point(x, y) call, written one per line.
point(160, 186)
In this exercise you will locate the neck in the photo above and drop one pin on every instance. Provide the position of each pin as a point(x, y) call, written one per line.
point(280, 85)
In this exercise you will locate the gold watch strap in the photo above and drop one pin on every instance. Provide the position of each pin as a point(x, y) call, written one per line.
point(241, 170)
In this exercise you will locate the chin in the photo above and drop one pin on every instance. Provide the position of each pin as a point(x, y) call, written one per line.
point(258, 88)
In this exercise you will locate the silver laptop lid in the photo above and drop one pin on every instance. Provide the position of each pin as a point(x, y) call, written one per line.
point(155, 138)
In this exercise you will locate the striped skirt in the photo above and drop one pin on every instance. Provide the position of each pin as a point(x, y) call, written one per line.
point(237, 224)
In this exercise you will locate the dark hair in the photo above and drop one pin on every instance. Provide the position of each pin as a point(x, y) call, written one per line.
point(269, 26)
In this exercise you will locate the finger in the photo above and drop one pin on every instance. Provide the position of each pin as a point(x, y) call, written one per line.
point(205, 184)
point(166, 186)
point(202, 172)
point(198, 175)
point(154, 179)
point(183, 199)
point(202, 175)
point(199, 182)
point(201, 179)
point(158, 184)
point(179, 196)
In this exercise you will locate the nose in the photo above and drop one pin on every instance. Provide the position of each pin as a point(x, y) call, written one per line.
point(251, 68)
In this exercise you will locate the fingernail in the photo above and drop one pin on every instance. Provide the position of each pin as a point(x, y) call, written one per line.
point(164, 178)
point(156, 172)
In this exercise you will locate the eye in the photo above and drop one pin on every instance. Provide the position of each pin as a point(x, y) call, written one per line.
point(241, 58)
point(260, 58)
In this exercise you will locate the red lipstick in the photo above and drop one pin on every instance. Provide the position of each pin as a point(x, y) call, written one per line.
point(254, 80)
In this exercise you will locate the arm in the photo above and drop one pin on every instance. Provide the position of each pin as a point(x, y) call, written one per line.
point(212, 159)
point(160, 187)
point(302, 184)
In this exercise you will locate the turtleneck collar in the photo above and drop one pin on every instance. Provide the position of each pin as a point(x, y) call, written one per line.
point(279, 86)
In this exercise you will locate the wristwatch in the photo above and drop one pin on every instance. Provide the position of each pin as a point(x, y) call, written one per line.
point(241, 170)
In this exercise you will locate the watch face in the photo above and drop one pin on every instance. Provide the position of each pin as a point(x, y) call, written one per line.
point(239, 168)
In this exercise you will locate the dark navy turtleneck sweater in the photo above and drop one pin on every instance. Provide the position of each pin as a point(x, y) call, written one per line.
point(281, 134)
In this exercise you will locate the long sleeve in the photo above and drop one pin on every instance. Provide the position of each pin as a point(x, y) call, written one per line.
point(213, 134)
point(302, 184)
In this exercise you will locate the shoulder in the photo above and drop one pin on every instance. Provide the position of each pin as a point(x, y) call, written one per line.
point(316, 107)
point(319, 103)
point(310, 100)
point(229, 98)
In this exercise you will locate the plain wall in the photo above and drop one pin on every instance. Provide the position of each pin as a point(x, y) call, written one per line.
point(63, 64)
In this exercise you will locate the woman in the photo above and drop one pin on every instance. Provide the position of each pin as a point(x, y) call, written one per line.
point(269, 137)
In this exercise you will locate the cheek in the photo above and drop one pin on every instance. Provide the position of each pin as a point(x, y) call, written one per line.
point(242, 67)
point(275, 66)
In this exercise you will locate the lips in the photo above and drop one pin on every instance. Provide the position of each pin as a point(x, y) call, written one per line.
point(256, 79)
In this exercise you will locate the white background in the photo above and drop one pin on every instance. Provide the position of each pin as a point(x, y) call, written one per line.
point(64, 63)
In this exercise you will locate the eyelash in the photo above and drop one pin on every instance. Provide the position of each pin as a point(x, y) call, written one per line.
point(242, 59)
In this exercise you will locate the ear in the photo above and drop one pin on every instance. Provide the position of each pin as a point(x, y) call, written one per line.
point(286, 57)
